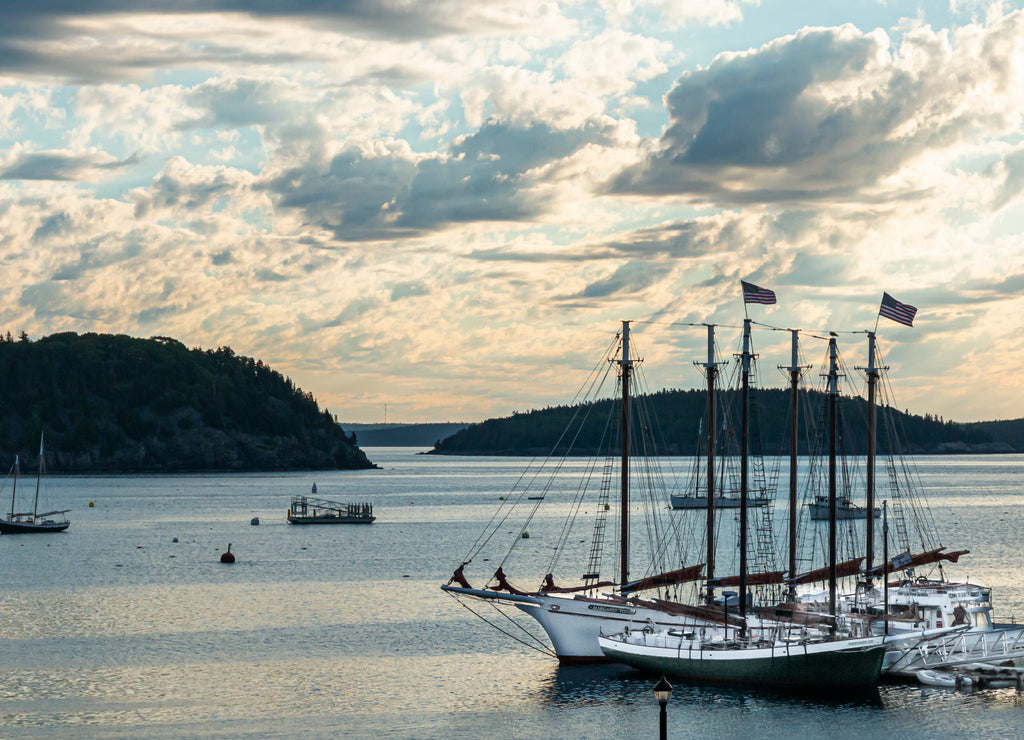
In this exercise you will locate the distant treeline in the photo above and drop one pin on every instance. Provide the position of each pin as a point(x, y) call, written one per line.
point(676, 422)
point(402, 435)
point(113, 403)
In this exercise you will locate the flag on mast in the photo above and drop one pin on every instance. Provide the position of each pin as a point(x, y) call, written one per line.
point(755, 294)
point(901, 313)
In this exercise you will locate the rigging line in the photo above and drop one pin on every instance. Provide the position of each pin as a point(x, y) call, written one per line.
point(542, 649)
point(519, 626)
point(653, 481)
point(810, 332)
point(581, 492)
point(594, 379)
point(584, 481)
point(672, 534)
point(685, 323)
point(915, 496)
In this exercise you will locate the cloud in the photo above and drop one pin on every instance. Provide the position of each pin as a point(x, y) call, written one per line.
point(409, 289)
point(60, 164)
point(241, 101)
point(93, 41)
point(1009, 179)
point(494, 174)
point(632, 277)
point(832, 114)
point(191, 189)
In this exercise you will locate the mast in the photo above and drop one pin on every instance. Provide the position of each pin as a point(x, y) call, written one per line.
point(745, 359)
point(795, 371)
point(39, 478)
point(626, 364)
point(712, 368)
point(885, 555)
point(833, 398)
point(872, 372)
point(14, 488)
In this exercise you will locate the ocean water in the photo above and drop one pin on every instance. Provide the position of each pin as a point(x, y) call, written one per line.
point(114, 630)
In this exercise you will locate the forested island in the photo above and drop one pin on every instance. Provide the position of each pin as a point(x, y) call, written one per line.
point(679, 417)
point(118, 404)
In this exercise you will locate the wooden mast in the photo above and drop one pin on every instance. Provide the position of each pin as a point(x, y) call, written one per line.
point(795, 371)
point(626, 364)
point(39, 478)
point(872, 372)
point(712, 368)
point(14, 488)
point(745, 359)
point(833, 398)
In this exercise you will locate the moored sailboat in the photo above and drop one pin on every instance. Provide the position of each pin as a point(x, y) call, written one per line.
point(32, 522)
point(958, 615)
point(778, 662)
point(845, 509)
point(573, 616)
point(779, 654)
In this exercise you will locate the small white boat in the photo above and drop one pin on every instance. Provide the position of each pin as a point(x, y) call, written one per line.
point(943, 679)
point(974, 675)
point(845, 509)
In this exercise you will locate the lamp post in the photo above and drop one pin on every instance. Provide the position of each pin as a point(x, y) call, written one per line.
point(662, 691)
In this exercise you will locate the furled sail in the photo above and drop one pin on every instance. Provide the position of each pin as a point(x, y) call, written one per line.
point(843, 570)
point(549, 586)
point(754, 579)
point(683, 575)
point(904, 561)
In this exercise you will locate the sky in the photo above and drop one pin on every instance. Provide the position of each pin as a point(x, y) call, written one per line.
point(445, 209)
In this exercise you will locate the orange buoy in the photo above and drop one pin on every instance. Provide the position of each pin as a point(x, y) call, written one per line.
point(227, 557)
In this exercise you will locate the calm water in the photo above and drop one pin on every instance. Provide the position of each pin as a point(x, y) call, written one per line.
point(114, 630)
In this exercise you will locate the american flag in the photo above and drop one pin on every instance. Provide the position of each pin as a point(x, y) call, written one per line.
point(755, 294)
point(901, 313)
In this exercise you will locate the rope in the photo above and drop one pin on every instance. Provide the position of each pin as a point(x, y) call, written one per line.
point(539, 647)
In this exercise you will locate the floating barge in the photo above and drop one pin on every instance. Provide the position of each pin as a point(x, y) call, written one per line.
point(308, 510)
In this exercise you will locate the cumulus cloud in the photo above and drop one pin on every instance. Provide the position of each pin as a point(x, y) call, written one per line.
point(388, 191)
point(832, 114)
point(193, 189)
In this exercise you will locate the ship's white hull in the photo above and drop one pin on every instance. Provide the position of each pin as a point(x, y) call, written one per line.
point(573, 623)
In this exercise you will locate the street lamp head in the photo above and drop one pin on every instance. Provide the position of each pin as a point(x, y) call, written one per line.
point(662, 691)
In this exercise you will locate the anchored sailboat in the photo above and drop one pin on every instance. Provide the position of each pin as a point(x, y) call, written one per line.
point(32, 522)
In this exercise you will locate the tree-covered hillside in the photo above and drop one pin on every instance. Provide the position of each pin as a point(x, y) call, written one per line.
point(113, 403)
point(679, 415)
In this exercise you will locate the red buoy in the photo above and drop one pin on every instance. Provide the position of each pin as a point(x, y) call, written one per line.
point(227, 557)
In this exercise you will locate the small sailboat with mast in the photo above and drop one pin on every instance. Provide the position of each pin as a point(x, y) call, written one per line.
point(34, 521)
